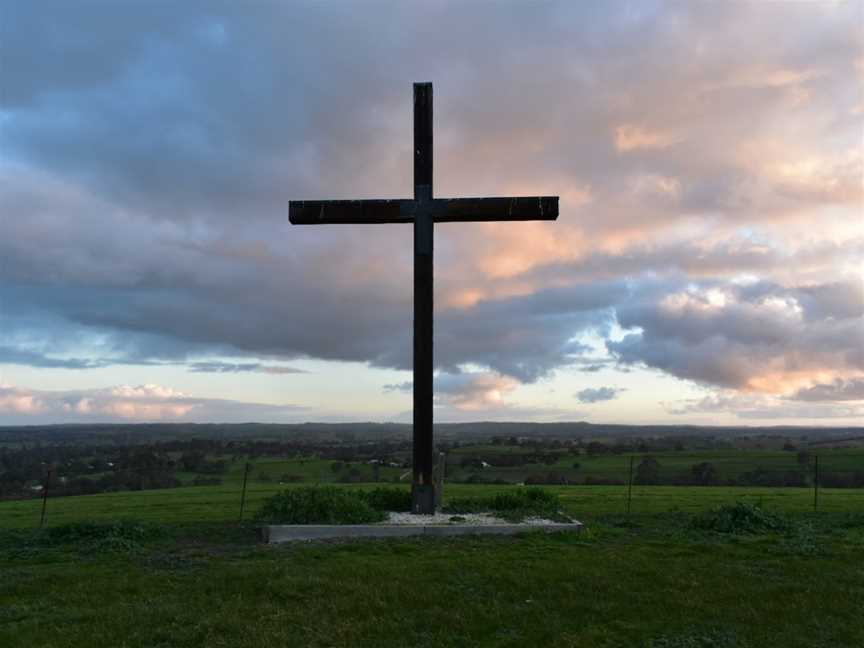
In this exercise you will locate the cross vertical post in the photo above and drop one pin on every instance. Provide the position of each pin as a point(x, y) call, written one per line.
point(422, 485)
point(423, 211)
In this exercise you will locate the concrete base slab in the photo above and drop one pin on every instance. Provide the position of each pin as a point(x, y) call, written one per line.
point(276, 533)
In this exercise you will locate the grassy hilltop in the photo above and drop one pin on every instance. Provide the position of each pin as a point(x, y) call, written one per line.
point(187, 575)
point(154, 555)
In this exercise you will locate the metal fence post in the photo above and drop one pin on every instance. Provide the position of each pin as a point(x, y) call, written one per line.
point(630, 485)
point(45, 498)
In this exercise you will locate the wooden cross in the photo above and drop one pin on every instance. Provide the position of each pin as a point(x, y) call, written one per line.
point(423, 211)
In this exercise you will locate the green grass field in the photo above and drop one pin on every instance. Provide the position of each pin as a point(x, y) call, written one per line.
point(729, 464)
point(190, 575)
point(222, 503)
point(654, 582)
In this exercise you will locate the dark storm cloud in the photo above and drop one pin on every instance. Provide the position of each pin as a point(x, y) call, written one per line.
point(404, 387)
point(241, 367)
point(527, 337)
point(196, 108)
point(597, 395)
point(838, 390)
point(740, 334)
point(217, 109)
point(14, 355)
point(148, 152)
point(177, 295)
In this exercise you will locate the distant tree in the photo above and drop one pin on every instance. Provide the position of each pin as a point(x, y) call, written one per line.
point(206, 481)
point(603, 481)
point(704, 474)
point(146, 460)
point(804, 458)
point(576, 465)
point(473, 463)
point(765, 477)
point(191, 461)
point(597, 448)
point(353, 475)
point(648, 471)
point(546, 478)
point(789, 447)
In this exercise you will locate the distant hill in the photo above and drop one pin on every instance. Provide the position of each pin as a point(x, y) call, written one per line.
point(376, 431)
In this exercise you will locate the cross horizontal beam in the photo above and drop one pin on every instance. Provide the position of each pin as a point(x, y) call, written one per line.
point(444, 210)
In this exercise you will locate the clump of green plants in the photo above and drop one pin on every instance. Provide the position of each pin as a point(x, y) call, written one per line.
point(711, 638)
point(740, 518)
point(513, 505)
point(318, 505)
point(846, 520)
point(388, 499)
point(77, 532)
point(96, 537)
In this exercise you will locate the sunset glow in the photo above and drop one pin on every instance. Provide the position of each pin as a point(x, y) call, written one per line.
point(707, 265)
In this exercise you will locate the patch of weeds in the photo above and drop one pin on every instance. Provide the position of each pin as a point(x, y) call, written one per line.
point(455, 519)
point(846, 521)
point(172, 561)
point(16, 544)
point(12, 538)
point(711, 638)
point(89, 538)
point(13, 613)
point(802, 540)
point(109, 534)
point(621, 521)
point(512, 505)
point(318, 505)
point(387, 499)
point(15, 575)
point(24, 552)
point(587, 535)
point(739, 518)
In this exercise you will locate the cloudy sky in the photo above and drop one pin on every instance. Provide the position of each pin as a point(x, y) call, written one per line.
point(706, 266)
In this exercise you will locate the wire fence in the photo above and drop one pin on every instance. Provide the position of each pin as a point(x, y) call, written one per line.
point(625, 483)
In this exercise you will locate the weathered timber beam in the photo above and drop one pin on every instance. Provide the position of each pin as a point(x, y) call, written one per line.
point(344, 212)
point(444, 210)
point(461, 210)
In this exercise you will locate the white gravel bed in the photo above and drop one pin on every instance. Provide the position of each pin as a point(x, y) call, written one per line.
point(447, 518)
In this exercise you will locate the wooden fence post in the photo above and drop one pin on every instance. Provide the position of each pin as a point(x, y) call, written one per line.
point(243, 494)
point(630, 485)
point(45, 497)
point(816, 483)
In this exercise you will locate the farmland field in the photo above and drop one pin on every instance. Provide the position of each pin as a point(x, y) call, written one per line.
point(222, 503)
point(729, 464)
